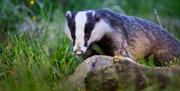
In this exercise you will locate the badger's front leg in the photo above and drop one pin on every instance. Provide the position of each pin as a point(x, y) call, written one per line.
point(118, 56)
point(122, 54)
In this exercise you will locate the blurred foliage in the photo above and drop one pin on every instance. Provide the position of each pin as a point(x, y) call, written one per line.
point(14, 12)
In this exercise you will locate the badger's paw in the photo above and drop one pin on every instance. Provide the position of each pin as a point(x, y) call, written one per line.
point(117, 58)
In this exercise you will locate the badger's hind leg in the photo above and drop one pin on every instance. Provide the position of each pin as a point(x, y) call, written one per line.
point(164, 57)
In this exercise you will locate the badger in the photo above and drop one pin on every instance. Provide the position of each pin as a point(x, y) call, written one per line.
point(135, 37)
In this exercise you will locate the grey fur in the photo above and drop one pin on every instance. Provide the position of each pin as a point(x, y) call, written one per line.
point(144, 38)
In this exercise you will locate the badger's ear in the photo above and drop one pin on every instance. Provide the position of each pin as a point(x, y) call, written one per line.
point(68, 14)
point(96, 16)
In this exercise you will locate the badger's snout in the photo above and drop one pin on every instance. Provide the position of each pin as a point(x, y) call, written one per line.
point(79, 50)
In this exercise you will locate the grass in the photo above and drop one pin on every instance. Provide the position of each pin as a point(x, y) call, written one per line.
point(26, 64)
point(40, 58)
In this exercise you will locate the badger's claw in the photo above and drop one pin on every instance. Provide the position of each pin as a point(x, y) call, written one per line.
point(117, 58)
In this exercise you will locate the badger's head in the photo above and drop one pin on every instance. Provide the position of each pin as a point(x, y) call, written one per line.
point(84, 28)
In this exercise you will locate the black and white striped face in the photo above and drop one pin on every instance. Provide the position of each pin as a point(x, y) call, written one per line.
point(83, 28)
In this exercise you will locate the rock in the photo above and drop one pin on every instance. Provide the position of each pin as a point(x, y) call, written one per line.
point(76, 80)
point(127, 75)
point(101, 73)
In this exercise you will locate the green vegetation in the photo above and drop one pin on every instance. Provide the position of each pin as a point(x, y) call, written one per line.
point(35, 55)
